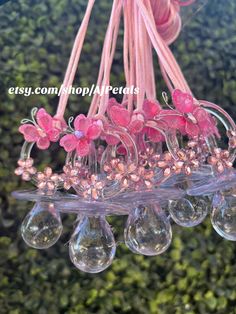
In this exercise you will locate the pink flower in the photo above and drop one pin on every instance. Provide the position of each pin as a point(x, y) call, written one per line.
point(189, 118)
point(220, 159)
point(47, 180)
point(72, 175)
point(86, 130)
point(25, 169)
point(46, 130)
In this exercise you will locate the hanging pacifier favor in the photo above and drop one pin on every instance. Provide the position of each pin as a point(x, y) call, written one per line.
point(136, 157)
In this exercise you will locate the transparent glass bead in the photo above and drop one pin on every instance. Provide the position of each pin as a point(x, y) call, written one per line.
point(148, 230)
point(189, 212)
point(42, 226)
point(92, 246)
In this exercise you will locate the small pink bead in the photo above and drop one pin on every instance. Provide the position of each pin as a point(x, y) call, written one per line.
point(188, 170)
point(161, 164)
point(148, 184)
point(131, 167)
point(78, 164)
point(94, 194)
point(220, 167)
point(19, 171)
point(225, 154)
point(125, 183)
point(167, 172)
point(150, 150)
point(118, 176)
point(217, 151)
point(228, 164)
point(134, 177)
point(121, 167)
point(191, 154)
point(26, 176)
point(106, 168)
point(181, 155)
point(114, 163)
point(179, 164)
point(232, 142)
point(195, 163)
point(111, 177)
point(32, 170)
point(67, 186)
point(41, 185)
point(74, 172)
point(67, 168)
point(21, 163)
point(99, 185)
point(192, 144)
point(84, 183)
point(167, 156)
point(212, 160)
point(41, 132)
point(75, 181)
point(29, 162)
point(149, 175)
point(40, 176)
point(156, 157)
point(93, 178)
point(54, 177)
point(48, 171)
point(51, 185)
point(232, 133)
point(152, 163)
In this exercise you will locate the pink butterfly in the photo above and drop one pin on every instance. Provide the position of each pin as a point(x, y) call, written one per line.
point(46, 130)
point(153, 135)
point(189, 118)
point(86, 130)
point(151, 110)
point(134, 123)
point(121, 117)
point(118, 114)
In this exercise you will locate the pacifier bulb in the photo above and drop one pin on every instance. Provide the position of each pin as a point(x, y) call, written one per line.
point(223, 216)
point(42, 226)
point(188, 213)
point(148, 230)
point(92, 246)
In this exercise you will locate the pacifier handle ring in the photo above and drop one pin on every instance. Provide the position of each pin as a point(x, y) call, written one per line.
point(228, 123)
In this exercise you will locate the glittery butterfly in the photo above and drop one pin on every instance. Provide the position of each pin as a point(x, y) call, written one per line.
point(42, 130)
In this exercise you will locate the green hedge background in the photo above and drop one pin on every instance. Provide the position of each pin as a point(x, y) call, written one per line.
point(198, 273)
